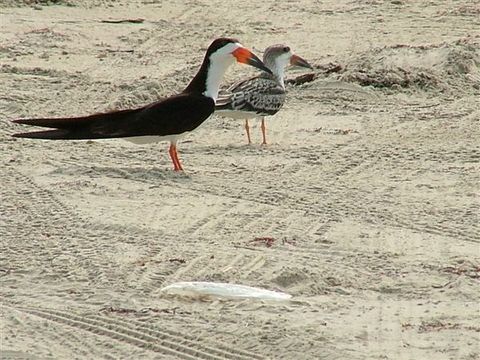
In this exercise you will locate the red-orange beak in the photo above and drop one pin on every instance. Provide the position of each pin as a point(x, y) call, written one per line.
point(298, 61)
point(245, 56)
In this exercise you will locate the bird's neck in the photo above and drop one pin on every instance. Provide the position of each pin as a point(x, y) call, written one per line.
point(198, 84)
point(208, 78)
point(215, 73)
point(278, 72)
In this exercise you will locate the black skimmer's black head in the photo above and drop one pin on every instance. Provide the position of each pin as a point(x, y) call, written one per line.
point(232, 49)
point(221, 53)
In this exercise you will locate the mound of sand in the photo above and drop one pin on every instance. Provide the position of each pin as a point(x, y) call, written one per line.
point(448, 66)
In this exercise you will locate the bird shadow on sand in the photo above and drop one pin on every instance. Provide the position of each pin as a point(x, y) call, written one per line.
point(254, 148)
point(149, 175)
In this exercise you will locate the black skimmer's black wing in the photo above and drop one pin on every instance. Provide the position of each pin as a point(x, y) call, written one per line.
point(166, 119)
point(261, 95)
point(173, 116)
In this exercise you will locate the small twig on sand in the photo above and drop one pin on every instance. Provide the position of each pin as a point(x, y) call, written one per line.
point(111, 309)
point(330, 68)
point(114, 51)
point(302, 79)
point(133, 21)
point(181, 261)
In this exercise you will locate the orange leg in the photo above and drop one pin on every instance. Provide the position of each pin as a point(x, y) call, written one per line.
point(179, 165)
point(174, 156)
point(247, 129)
point(264, 132)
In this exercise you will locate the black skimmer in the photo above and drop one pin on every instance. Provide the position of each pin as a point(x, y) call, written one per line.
point(166, 119)
point(261, 95)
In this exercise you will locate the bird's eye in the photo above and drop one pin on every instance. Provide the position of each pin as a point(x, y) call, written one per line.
point(286, 49)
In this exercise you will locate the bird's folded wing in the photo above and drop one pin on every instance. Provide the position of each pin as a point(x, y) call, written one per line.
point(259, 95)
point(170, 116)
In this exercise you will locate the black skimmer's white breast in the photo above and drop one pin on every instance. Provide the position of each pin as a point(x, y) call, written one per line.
point(261, 95)
point(167, 119)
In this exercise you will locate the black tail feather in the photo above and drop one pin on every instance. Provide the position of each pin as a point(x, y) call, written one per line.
point(57, 134)
point(96, 126)
point(75, 122)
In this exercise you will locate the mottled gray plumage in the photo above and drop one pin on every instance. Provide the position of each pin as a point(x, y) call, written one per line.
point(261, 95)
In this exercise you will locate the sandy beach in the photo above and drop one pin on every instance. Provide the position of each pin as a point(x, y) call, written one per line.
point(368, 192)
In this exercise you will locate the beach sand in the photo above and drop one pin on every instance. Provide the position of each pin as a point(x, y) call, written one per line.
point(369, 187)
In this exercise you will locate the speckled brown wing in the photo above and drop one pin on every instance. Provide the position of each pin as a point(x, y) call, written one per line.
point(262, 95)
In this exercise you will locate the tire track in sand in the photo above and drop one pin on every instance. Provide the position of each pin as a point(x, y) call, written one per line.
point(158, 340)
point(339, 201)
point(42, 206)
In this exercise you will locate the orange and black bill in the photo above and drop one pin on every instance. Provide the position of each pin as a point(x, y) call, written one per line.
point(245, 56)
